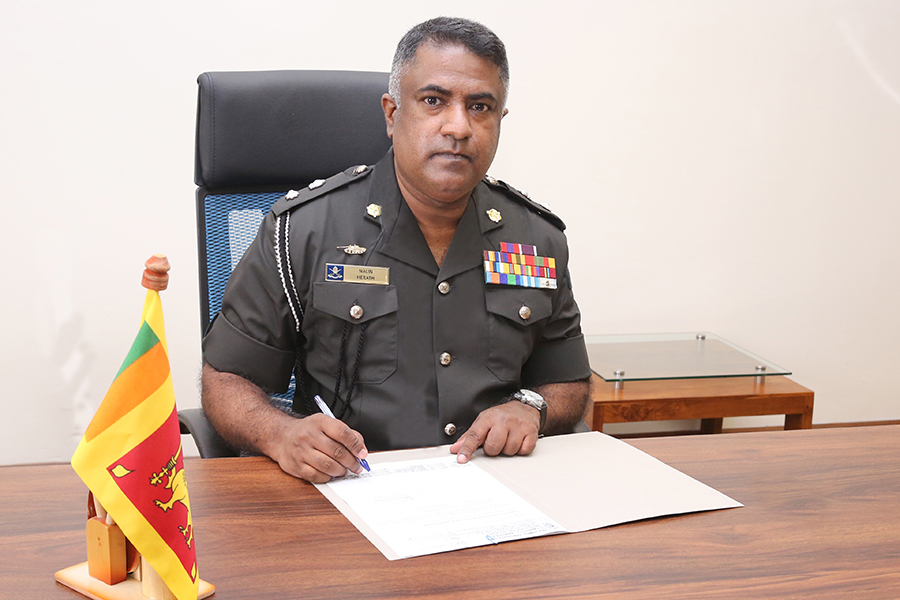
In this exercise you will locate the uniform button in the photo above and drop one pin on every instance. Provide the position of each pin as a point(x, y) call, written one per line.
point(446, 358)
point(443, 287)
point(356, 311)
point(450, 429)
point(525, 313)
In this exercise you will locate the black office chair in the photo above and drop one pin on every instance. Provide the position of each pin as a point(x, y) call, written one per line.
point(260, 134)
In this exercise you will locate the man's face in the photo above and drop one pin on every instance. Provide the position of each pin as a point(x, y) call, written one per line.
point(447, 128)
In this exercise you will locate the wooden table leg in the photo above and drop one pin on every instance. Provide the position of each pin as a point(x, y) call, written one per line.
point(711, 425)
point(801, 421)
point(597, 421)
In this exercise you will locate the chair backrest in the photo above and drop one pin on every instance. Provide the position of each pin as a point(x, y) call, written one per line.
point(262, 133)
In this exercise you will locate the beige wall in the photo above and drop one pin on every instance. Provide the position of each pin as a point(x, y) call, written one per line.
point(723, 166)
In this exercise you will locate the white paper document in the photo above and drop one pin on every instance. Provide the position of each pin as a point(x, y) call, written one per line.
point(434, 505)
point(417, 502)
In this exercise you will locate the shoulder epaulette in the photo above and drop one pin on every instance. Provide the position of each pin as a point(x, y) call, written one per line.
point(523, 198)
point(318, 188)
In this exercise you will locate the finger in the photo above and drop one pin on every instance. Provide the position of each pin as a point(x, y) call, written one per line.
point(471, 441)
point(496, 440)
point(340, 432)
point(306, 463)
point(343, 445)
point(354, 442)
point(310, 474)
point(515, 438)
point(331, 465)
point(528, 444)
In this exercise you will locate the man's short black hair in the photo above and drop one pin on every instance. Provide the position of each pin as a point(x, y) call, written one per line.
point(443, 31)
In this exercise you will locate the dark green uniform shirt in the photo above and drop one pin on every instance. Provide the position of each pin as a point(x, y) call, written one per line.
point(425, 353)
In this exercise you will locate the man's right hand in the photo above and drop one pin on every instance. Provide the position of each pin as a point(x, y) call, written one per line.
point(317, 448)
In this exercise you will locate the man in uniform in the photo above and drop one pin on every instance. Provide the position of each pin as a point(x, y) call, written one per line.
point(425, 302)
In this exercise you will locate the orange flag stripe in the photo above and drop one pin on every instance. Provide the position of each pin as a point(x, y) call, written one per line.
point(133, 385)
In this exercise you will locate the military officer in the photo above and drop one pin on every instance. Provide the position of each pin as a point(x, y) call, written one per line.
point(425, 302)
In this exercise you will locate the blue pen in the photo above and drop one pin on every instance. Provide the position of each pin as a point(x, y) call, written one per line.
point(327, 412)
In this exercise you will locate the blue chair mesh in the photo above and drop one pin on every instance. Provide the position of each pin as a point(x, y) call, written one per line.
point(231, 223)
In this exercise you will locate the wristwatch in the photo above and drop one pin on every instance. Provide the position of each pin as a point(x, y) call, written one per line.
point(534, 400)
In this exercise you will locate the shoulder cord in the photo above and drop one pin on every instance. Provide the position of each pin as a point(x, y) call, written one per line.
point(283, 248)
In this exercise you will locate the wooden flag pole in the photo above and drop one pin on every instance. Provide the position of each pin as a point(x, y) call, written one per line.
point(152, 585)
point(155, 277)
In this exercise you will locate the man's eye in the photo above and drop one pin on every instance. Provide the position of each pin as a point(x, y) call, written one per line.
point(432, 101)
point(480, 107)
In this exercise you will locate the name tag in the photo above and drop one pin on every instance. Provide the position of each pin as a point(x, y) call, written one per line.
point(357, 274)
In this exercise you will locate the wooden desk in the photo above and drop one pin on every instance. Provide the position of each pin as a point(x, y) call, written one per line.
point(822, 520)
point(709, 399)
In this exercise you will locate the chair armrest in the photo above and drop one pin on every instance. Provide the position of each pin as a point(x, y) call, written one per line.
point(209, 442)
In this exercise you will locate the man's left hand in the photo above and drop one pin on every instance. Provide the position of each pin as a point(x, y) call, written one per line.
point(510, 428)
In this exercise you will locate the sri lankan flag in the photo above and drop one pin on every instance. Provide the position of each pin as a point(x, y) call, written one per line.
point(130, 457)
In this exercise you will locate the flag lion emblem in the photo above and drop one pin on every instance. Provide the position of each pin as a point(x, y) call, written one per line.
point(177, 486)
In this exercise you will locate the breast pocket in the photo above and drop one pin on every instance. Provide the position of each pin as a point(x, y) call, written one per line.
point(516, 318)
point(356, 307)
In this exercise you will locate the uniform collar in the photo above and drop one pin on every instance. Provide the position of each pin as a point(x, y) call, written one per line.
point(470, 240)
point(403, 239)
point(466, 247)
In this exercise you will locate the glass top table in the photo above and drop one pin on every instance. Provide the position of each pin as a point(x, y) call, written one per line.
point(640, 357)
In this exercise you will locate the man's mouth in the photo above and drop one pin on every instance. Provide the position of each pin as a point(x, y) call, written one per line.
point(452, 156)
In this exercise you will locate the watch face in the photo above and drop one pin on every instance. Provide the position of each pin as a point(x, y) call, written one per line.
point(531, 398)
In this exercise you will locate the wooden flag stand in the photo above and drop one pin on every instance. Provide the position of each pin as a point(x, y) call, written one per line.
point(78, 578)
point(114, 570)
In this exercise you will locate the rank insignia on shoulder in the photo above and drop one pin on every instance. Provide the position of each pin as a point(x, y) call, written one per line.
point(357, 274)
point(352, 249)
point(519, 265)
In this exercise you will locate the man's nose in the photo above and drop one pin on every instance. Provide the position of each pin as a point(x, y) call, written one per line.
point(456, 122)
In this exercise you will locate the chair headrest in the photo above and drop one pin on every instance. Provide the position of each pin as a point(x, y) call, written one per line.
point(270, 128)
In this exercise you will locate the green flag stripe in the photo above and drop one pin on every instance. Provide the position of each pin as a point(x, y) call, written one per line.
point(145, 340)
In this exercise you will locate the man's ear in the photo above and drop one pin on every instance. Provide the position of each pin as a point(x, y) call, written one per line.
point(505, 112)
point(389, 106)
